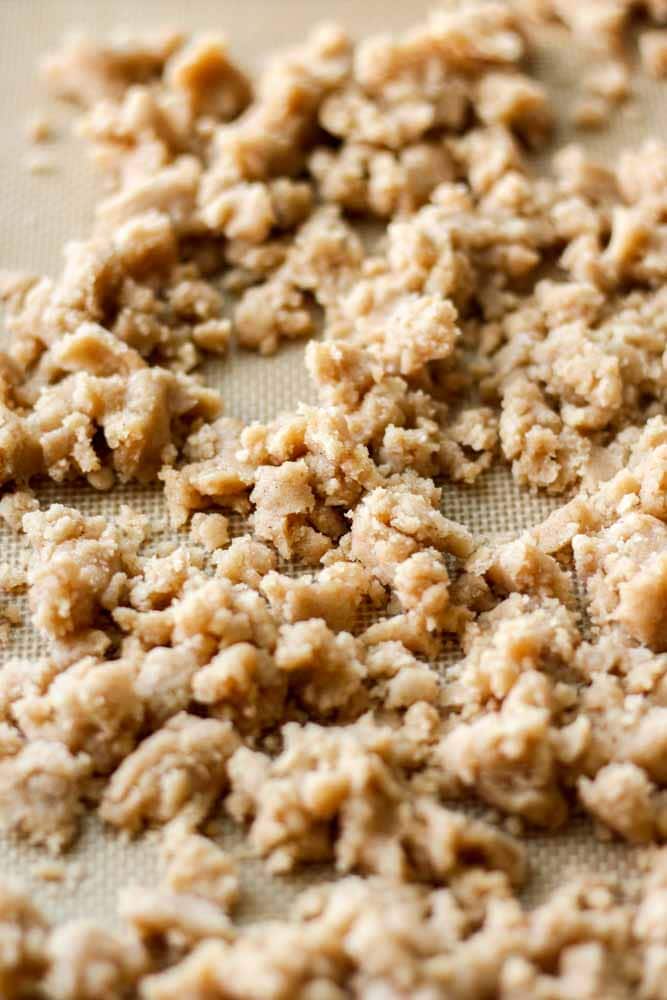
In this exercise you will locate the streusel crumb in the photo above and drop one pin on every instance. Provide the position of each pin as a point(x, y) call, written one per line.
point(316, 649)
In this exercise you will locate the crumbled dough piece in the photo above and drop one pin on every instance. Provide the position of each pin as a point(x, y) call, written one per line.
point(246, 561)
point(213, 84)
point(518, 635)
point(41, 788)
point(362, 178)
point(87, 961)
point(322, 261)
point(177, 918)
point(197, 866)
point(624, 569)
point(400, 536)
point(522, 567)
point(346, 774)
point(335, 594)
point(79, 567)
point(90, 706)
point(506, 755)
point(182, 766)
point(215, 474)
point(622, 796)
point(86, 71)
point(210, 530)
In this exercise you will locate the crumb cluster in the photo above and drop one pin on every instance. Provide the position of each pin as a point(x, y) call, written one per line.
point(289, 675)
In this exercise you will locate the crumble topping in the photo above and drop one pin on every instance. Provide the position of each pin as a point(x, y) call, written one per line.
point(287, 660)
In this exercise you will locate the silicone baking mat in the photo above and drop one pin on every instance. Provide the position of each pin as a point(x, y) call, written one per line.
point(40, 212)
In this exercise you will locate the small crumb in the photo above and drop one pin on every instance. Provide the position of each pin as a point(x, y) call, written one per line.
point(653, 53)
point(39, 128)
point(11, 577)
point(41, 162)
point(213, 335)
point(632, 111)
point(13, 615)
point(14, 505)
point(610, 81)
point(50, 871)
point(210, 530)
point(514, 825)
point(591, 113)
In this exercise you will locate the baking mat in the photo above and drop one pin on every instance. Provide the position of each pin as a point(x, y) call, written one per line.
point(39, 212)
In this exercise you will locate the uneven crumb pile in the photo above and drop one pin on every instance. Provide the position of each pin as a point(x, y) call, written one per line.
point(472, 312)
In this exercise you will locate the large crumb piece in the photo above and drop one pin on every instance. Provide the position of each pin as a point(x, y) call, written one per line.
point(522, 567)
point(213, 84)
point(335, 594)
point(14, 505)
point(41, 788)
point(196, 865)
point(80, 566)
point(625, 573)
point(86, 71)
point(214, 473)
point(506, 755)
point(520, 634)
point(182, 766)
point(624, 799)
point(246, 561)
point(177, 919)
point(400, 536)
point(86, 962)
point(90, 706)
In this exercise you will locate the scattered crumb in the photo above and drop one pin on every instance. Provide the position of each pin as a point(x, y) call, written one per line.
point(39, 128)
point(591, 113)
point(41, 162)
point(50, 871)
point(653, 53)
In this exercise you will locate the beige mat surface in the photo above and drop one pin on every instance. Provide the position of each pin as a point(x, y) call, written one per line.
point(38, 213)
